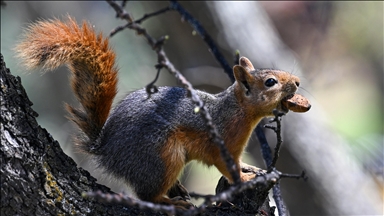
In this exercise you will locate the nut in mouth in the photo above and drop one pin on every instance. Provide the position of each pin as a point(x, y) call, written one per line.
point(295, 103)
point(282, 107)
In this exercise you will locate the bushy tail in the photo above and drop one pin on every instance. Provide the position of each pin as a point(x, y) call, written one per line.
point(49, 44)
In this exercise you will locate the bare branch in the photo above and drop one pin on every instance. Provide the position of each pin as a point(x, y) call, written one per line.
point(146, 16)
point(277, 130)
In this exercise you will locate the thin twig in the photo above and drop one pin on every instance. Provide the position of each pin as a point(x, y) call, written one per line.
point(303, 176)
point(117, 29)
point(146, 16)
point(123, 3)
point(139, 21)
point(277, 130)
point(120, 12)
point(271, 163)
point(151, 88)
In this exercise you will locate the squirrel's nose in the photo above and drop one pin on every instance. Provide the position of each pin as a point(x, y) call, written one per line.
point(297, 83)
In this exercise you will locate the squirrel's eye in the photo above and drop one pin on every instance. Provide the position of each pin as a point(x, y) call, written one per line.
point(270, 82)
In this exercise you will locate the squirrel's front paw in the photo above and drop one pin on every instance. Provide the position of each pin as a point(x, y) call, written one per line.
point(249, 172)
point(247, 176)
point(246, 168)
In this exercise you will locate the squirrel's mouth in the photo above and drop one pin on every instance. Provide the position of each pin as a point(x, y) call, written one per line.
point(282, 107)
point(295, 103)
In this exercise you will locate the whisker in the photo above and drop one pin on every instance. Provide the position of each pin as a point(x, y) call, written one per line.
point(294, 66)
point(307, 92)
point(273, 65)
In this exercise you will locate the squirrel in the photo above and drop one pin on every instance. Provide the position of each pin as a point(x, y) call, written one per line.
point(148, 141)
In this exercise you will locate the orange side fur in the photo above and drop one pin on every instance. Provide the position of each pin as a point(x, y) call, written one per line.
point(173, 154)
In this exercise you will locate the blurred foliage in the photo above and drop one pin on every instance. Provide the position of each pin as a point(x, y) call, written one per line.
point(340, 47)
point(361, 29)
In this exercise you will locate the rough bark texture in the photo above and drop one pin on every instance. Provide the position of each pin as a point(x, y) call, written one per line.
point(37, 178)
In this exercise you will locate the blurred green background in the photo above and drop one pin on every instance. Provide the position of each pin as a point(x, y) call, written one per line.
point(339, 48)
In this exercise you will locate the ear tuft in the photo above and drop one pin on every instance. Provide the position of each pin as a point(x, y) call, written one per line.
point(246, 64)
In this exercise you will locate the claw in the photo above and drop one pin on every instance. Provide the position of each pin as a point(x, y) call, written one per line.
point(178, 190)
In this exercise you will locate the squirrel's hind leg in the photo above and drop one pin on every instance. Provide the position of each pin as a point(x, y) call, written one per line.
point(178, 203)
point(178, 190)
point(173, 155)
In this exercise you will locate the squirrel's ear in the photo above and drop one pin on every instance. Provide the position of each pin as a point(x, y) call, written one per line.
point(246, 64)
point(242, 77)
